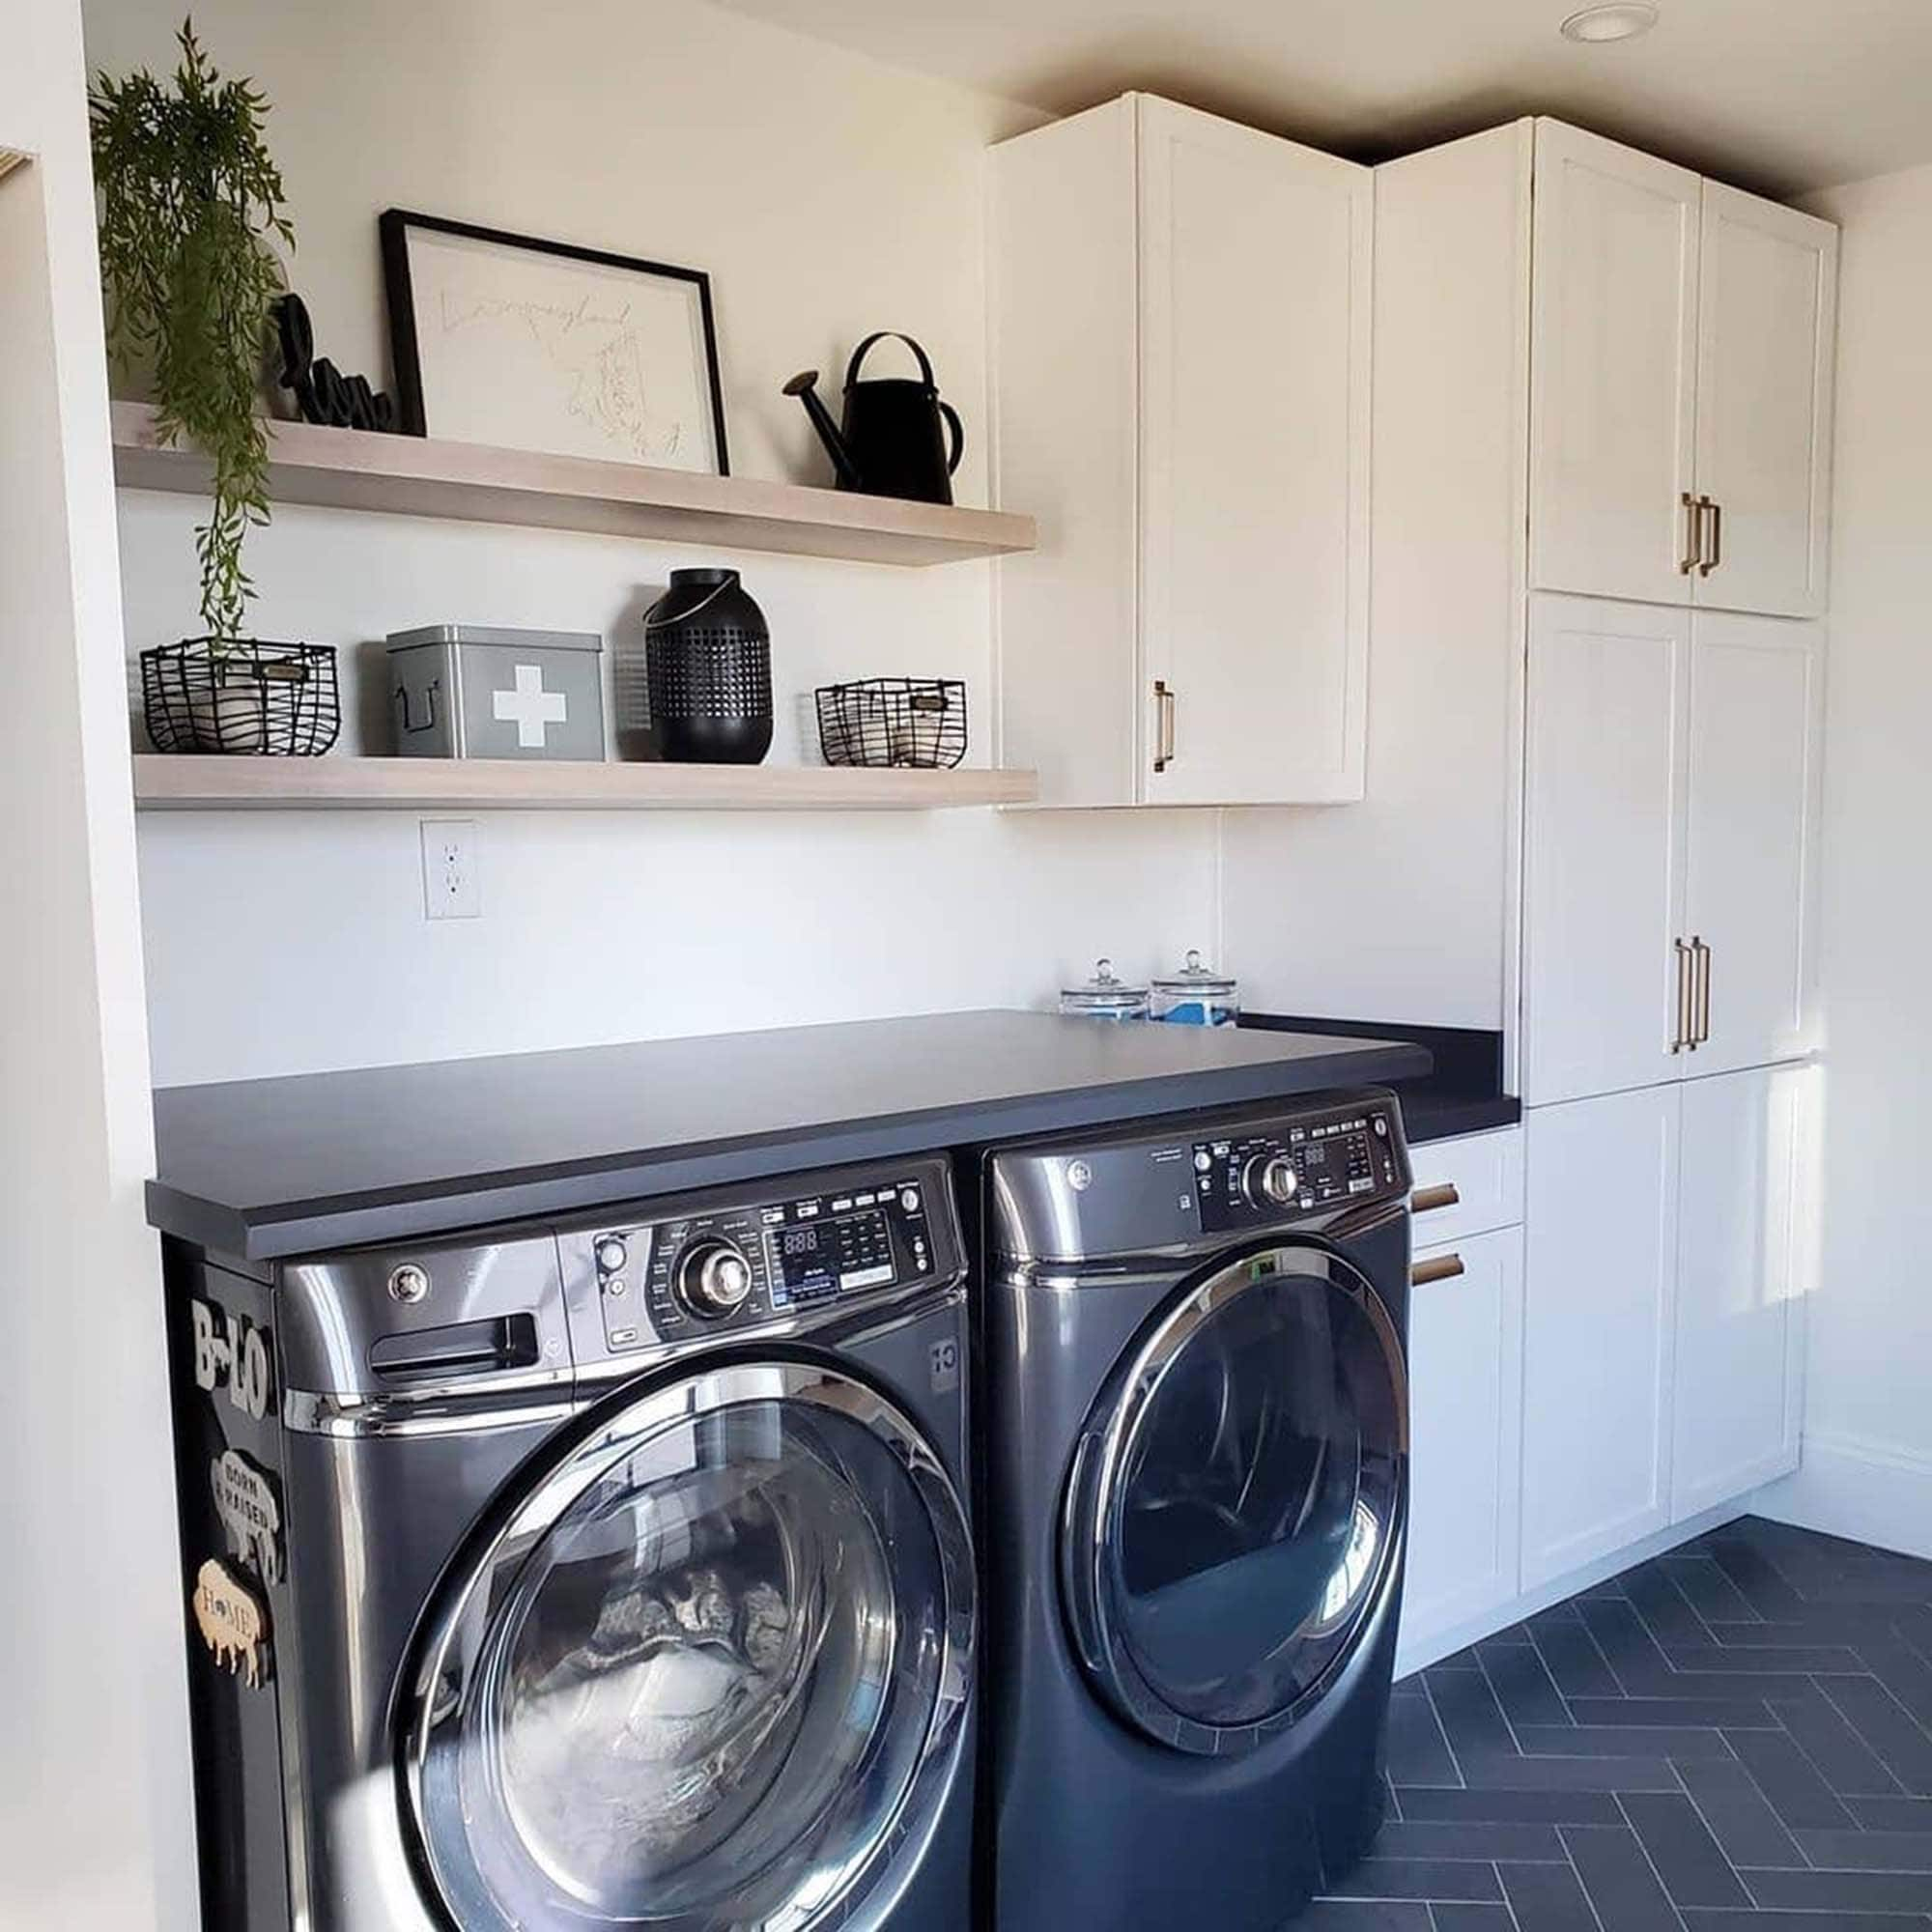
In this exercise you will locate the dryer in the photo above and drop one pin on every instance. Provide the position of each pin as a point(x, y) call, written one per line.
point(1196, 1482)
point(591, 1576)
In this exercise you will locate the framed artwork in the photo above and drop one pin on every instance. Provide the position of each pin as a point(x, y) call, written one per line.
point(537, 344)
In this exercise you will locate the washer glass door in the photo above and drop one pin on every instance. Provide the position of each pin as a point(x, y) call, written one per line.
point(1234, 1502)
point(708, 1675)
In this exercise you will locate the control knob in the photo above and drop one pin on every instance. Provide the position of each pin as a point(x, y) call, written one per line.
point(1270, 1180)
point(714, 1279)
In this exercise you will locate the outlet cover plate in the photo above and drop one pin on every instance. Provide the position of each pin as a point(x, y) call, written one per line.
point(453, 887)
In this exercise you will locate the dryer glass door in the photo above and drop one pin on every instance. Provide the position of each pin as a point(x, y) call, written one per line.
point(1234, 1504)
point(710, 1672)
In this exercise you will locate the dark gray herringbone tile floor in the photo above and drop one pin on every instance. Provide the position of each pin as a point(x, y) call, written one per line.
point(1737, 1734)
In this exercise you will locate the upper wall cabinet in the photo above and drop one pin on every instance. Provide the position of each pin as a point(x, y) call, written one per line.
point(1181, 348)
point(1682, 338)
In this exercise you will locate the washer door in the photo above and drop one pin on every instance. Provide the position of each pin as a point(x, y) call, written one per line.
point(1235, 1499)
point(709, 1674)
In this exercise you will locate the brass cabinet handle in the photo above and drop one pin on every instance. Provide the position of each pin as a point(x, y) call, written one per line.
point(1701, 1023)
point(1708, 560)
point(1163, 707)
point(1693, 531)
point(1427, 1200)
point(1444, 1267)
point(1686, 976)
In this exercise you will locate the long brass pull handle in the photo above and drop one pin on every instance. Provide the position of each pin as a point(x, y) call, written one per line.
point(1444, 1267)
point(1163, 707)
point(1701, 1036)
point(1708, 561)
point(1686, 976)
point(1427, 1200)
point(1693, 531)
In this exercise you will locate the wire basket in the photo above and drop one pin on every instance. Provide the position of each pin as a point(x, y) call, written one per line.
point(893, 720)
point(273, 701)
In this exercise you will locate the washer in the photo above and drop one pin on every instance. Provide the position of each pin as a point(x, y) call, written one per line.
point(1196, 1458)
point(596, 1576)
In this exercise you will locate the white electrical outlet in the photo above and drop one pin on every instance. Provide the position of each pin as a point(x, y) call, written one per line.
point(451, 886)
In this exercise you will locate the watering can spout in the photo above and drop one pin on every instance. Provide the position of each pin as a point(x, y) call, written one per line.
point(805, 387)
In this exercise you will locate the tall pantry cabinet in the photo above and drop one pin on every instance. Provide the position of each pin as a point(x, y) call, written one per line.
point(1637, 551)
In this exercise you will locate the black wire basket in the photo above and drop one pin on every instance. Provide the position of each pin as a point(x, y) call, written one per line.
point(271, 700)
point(893, 720)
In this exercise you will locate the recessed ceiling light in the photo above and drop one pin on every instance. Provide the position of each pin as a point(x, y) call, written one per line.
point(1622, 20)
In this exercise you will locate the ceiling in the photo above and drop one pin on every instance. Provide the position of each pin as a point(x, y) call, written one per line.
point(1780, 96)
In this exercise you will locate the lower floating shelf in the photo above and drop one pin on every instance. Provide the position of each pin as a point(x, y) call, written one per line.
point(181, 784)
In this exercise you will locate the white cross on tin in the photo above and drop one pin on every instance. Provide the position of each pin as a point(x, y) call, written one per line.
point(530, 707)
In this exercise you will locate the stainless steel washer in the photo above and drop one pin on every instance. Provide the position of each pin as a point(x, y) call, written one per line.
point(620, 1572)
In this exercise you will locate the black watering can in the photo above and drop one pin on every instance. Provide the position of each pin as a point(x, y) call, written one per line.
point(892, 443)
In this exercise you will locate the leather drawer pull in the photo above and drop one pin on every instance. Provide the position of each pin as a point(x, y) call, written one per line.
point(1445, 1268)
point(1426, 1199)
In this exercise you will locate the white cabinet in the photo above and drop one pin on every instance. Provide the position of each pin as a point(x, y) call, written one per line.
point(1767, 308)
point(1599, 1335)
point(1670, 823)
point(1465, 1423)
point(1743, 1260)
point(1752, 872)
point(1604, 830)
point(1613, 367)
point(1181, 349)
point(1667, 1264)
point(1681, 417)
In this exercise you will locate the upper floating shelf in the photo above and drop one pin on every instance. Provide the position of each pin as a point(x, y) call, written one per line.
point(420, 476)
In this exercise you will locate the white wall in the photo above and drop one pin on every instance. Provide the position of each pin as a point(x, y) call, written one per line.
point(94, 1816)
point(1868, 1427)
point(826, 196)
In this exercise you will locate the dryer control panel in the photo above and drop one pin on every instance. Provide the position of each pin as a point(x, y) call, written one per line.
point(1251, 1179)
point(714, 1267)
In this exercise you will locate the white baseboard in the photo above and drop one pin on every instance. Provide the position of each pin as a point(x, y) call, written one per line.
point(1868, 1491)
point(1416, 1649)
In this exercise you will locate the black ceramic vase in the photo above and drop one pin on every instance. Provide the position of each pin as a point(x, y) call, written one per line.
point(708, 663)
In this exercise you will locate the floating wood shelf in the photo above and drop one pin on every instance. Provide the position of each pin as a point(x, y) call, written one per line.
point(420, 476)
point(179, 784)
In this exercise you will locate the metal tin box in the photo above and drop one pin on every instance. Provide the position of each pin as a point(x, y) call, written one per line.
point(473, 691)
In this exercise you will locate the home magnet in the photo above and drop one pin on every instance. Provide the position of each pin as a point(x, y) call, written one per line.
point(233, 1621)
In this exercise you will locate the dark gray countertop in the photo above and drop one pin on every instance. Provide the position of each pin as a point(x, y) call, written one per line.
point(264, 1168)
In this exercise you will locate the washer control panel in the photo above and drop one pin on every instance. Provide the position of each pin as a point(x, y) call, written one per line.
point(715, 1267)
point(1249, 1178)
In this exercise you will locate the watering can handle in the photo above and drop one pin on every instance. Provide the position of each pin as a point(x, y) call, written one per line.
point(881, 335)
point(958, 435)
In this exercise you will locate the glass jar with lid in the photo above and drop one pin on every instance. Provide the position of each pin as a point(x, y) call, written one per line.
point(1104, 997)
point(1196, 996)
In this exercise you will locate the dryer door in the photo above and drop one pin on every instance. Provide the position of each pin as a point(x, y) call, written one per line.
point(1235, 1499)
point(708, 1673)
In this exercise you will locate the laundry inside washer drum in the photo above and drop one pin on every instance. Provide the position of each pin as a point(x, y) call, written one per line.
point(697, 1678)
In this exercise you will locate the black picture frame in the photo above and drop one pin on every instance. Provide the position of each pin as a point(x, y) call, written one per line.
point(393, 227)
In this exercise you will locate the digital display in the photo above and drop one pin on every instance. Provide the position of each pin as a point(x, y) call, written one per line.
point(813, 1257)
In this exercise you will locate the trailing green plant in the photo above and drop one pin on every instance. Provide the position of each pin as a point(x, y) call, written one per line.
point(189, 201)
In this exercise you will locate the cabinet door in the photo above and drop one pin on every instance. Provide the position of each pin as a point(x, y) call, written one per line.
point(1256, 264)
point(1766, 330)
point(1613, 331)
point(1065, 278)
point(1465, 1428)
point(1743, 1275)
point(1751, 876)
point(1598, 1333)
point(1602, 845)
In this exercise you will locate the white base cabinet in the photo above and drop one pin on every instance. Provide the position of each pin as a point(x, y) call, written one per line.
point(1666, 1267)
point(1598, 1338)
point(1747, 1162)
point(1465, 1429)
